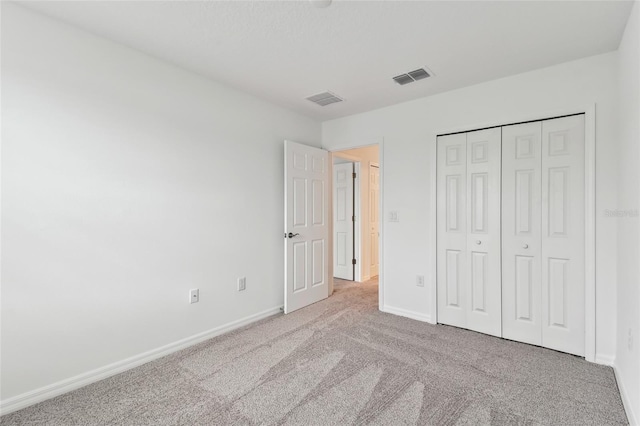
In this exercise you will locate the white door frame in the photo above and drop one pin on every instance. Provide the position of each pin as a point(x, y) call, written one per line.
point(589, 112)
point(380, 145)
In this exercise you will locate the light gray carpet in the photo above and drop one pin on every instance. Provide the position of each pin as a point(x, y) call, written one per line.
point(342, 362)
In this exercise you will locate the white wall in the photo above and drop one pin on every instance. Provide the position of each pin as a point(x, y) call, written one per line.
point(126, 182)
point(409, 131)
point(366, 156)
point(628, 359)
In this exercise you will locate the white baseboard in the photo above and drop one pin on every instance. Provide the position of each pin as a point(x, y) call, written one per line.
point(406, 313)
point(47, 392)
point(605, 359)
point(633, 418)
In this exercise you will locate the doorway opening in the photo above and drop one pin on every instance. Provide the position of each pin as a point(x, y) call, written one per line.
point(355, 214)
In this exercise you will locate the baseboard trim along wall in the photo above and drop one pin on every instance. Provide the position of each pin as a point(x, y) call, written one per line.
point(605, 359)
point(50, 391)
point(406, 313)
point(628, 407)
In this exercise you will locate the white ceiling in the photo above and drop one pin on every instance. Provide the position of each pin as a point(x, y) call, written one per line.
point(286, 51)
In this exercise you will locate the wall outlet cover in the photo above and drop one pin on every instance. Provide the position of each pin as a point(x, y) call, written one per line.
point(194, 295)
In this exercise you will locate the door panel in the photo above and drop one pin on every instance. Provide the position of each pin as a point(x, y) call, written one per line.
point(451, 229)
point(454, 276)
point(455, 184)
point(343, 237)
point(305, 187)
point(563, 219)
point(483, 269)
point(479, 282)
point(521, 232)
point(318, 262)
point(523, 289)
point(374, 191)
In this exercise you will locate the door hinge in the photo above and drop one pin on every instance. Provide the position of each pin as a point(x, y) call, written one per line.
point(353, 175)
point(353, 261)
point(353, 218)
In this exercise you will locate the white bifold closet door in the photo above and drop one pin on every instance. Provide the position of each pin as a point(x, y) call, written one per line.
point(543, 233)
point(522, 232)
point(563, 252)
point(468, 215)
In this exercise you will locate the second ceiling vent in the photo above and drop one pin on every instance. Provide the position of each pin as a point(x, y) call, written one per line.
point(324, 99)
point(412, 76)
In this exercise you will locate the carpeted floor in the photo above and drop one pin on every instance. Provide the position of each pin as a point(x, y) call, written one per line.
point(342, 362)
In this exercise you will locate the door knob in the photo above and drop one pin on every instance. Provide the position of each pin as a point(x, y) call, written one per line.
point(525, 246)
point(291, 235)
point(478, 242)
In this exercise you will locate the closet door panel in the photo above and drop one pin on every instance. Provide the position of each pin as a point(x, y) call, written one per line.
point(563, 219)
point(521, 232)
point(483, 232)
point(452, 229)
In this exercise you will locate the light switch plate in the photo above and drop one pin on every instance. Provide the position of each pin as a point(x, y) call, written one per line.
point(242, 283)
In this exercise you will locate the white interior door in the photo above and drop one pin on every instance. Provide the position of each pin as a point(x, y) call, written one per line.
point(374, 199)
point(484, 307)
point(306, 215)
point(452, 229)
point(563, 249)
point(521, 232)
point(343, 221)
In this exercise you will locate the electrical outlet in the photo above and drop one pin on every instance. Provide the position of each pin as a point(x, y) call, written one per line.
point(393, 216)
point(242, 284)
point(194, 295)
point(630, 340)
point(420, 280)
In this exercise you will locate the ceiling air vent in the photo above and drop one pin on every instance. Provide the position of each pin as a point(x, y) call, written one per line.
point(324, 99)
point(403, 79)
point(411, 76)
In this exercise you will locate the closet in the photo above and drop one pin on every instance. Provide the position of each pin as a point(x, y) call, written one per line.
point(510, 232)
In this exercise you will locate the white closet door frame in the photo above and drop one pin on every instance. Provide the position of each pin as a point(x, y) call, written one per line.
point(589, 112)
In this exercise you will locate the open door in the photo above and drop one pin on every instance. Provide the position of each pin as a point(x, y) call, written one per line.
point(374, 218)
point(306, 226)
point(343, 221)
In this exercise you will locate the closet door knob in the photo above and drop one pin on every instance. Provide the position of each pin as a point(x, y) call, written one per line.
point(525, 246)
point(478, 242)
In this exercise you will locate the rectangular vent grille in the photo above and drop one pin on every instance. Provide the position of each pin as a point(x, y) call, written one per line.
point(403, 79)
point(324, 99)
point(411, 76)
